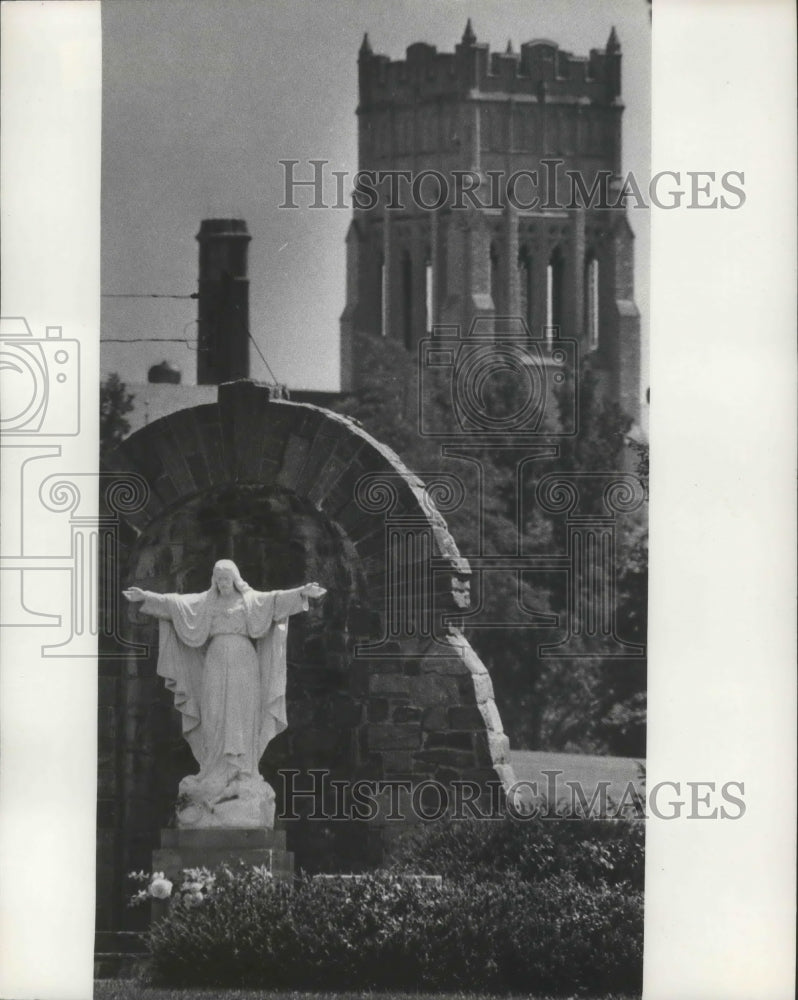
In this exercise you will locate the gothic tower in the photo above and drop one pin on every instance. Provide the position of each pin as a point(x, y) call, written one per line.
point(507, 205)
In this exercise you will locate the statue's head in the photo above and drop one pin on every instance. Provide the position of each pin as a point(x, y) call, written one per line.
point(226, 578)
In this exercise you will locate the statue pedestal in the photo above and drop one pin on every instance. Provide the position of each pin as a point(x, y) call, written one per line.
point(212, 847)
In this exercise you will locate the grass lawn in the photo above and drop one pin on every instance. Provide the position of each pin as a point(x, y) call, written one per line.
point(131, 989)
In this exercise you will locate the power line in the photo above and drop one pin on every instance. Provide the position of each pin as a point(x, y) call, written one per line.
point(260, 352)
point(149, 340)
point(274, 379)
point(146, 295)
point(175, 340)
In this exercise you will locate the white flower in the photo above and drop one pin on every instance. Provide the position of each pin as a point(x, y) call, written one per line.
point(160, 888)
point(193, 899)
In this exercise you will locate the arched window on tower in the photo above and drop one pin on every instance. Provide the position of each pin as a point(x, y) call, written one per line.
point(495, 265)
point(407, 300)
point(554, 289)
point(429, 293)
point(484, 128)
point(381, 296)
point(525, 286)
point(592, 302)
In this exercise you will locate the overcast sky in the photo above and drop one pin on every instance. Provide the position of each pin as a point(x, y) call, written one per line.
point(203, 98)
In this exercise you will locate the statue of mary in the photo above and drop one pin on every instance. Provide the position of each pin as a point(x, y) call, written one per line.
point(222, 655)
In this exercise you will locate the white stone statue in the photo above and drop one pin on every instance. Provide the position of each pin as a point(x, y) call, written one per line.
point(222, 654)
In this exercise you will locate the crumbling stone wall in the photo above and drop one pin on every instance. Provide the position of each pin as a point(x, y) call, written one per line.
point(272, 484)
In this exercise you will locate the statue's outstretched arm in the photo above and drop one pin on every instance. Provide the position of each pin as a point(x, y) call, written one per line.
point(150, 602)
point(281, 604)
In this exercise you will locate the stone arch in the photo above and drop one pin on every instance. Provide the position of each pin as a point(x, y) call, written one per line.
point(408, 704)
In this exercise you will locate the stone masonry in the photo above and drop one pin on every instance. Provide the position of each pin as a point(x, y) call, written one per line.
point(271, 484)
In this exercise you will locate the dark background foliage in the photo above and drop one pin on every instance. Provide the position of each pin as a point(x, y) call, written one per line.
point(587, 704)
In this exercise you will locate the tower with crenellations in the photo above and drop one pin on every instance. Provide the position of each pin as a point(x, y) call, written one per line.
point(503, 201)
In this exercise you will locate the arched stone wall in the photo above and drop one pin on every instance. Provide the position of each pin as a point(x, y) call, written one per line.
point(293, 492)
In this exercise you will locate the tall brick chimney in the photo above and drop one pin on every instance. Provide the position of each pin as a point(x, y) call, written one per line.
point(223, 311)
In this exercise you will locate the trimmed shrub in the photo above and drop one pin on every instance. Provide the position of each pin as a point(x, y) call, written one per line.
point(591, 850)
point(554, 935)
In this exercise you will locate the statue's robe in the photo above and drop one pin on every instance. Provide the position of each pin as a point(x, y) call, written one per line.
point(188, 625)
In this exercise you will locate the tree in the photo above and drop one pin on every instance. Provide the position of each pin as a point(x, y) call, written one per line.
point(115, 402)
point(575, 704)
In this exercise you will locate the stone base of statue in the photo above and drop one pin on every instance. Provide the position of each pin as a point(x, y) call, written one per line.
point(210, 848)
point(244, 803)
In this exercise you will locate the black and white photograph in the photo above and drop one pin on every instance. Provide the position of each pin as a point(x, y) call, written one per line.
point(369, 325)
point(408, 636)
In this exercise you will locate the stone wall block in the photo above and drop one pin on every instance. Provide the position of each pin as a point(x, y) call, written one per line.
point(390, 685)
point(446, 775)
point(273, 435)
point(141, 452)
point(187, 440)
point(397, 763)
point(327, 439)
point(435, 718)
point(341, 492)
point(165, 488)
point(262, 441)
point(429, 690)
point(407, 713)
point(296, 452)
point(393, 737)
point(239, 404)
point(492, 748)
point(337, 483)
point(490, 716)
point(359, 678)
point(307, 420)
point(346, 712)
point(316, 747)
point(448, 756)
point(359, 524)
point(483, 687)
point(444, 665)
point(465, 717)
point(209, 433)
point(169, 446)
point(378, 710)
point(472, 661)
point(458, 741)
point(327, 477)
